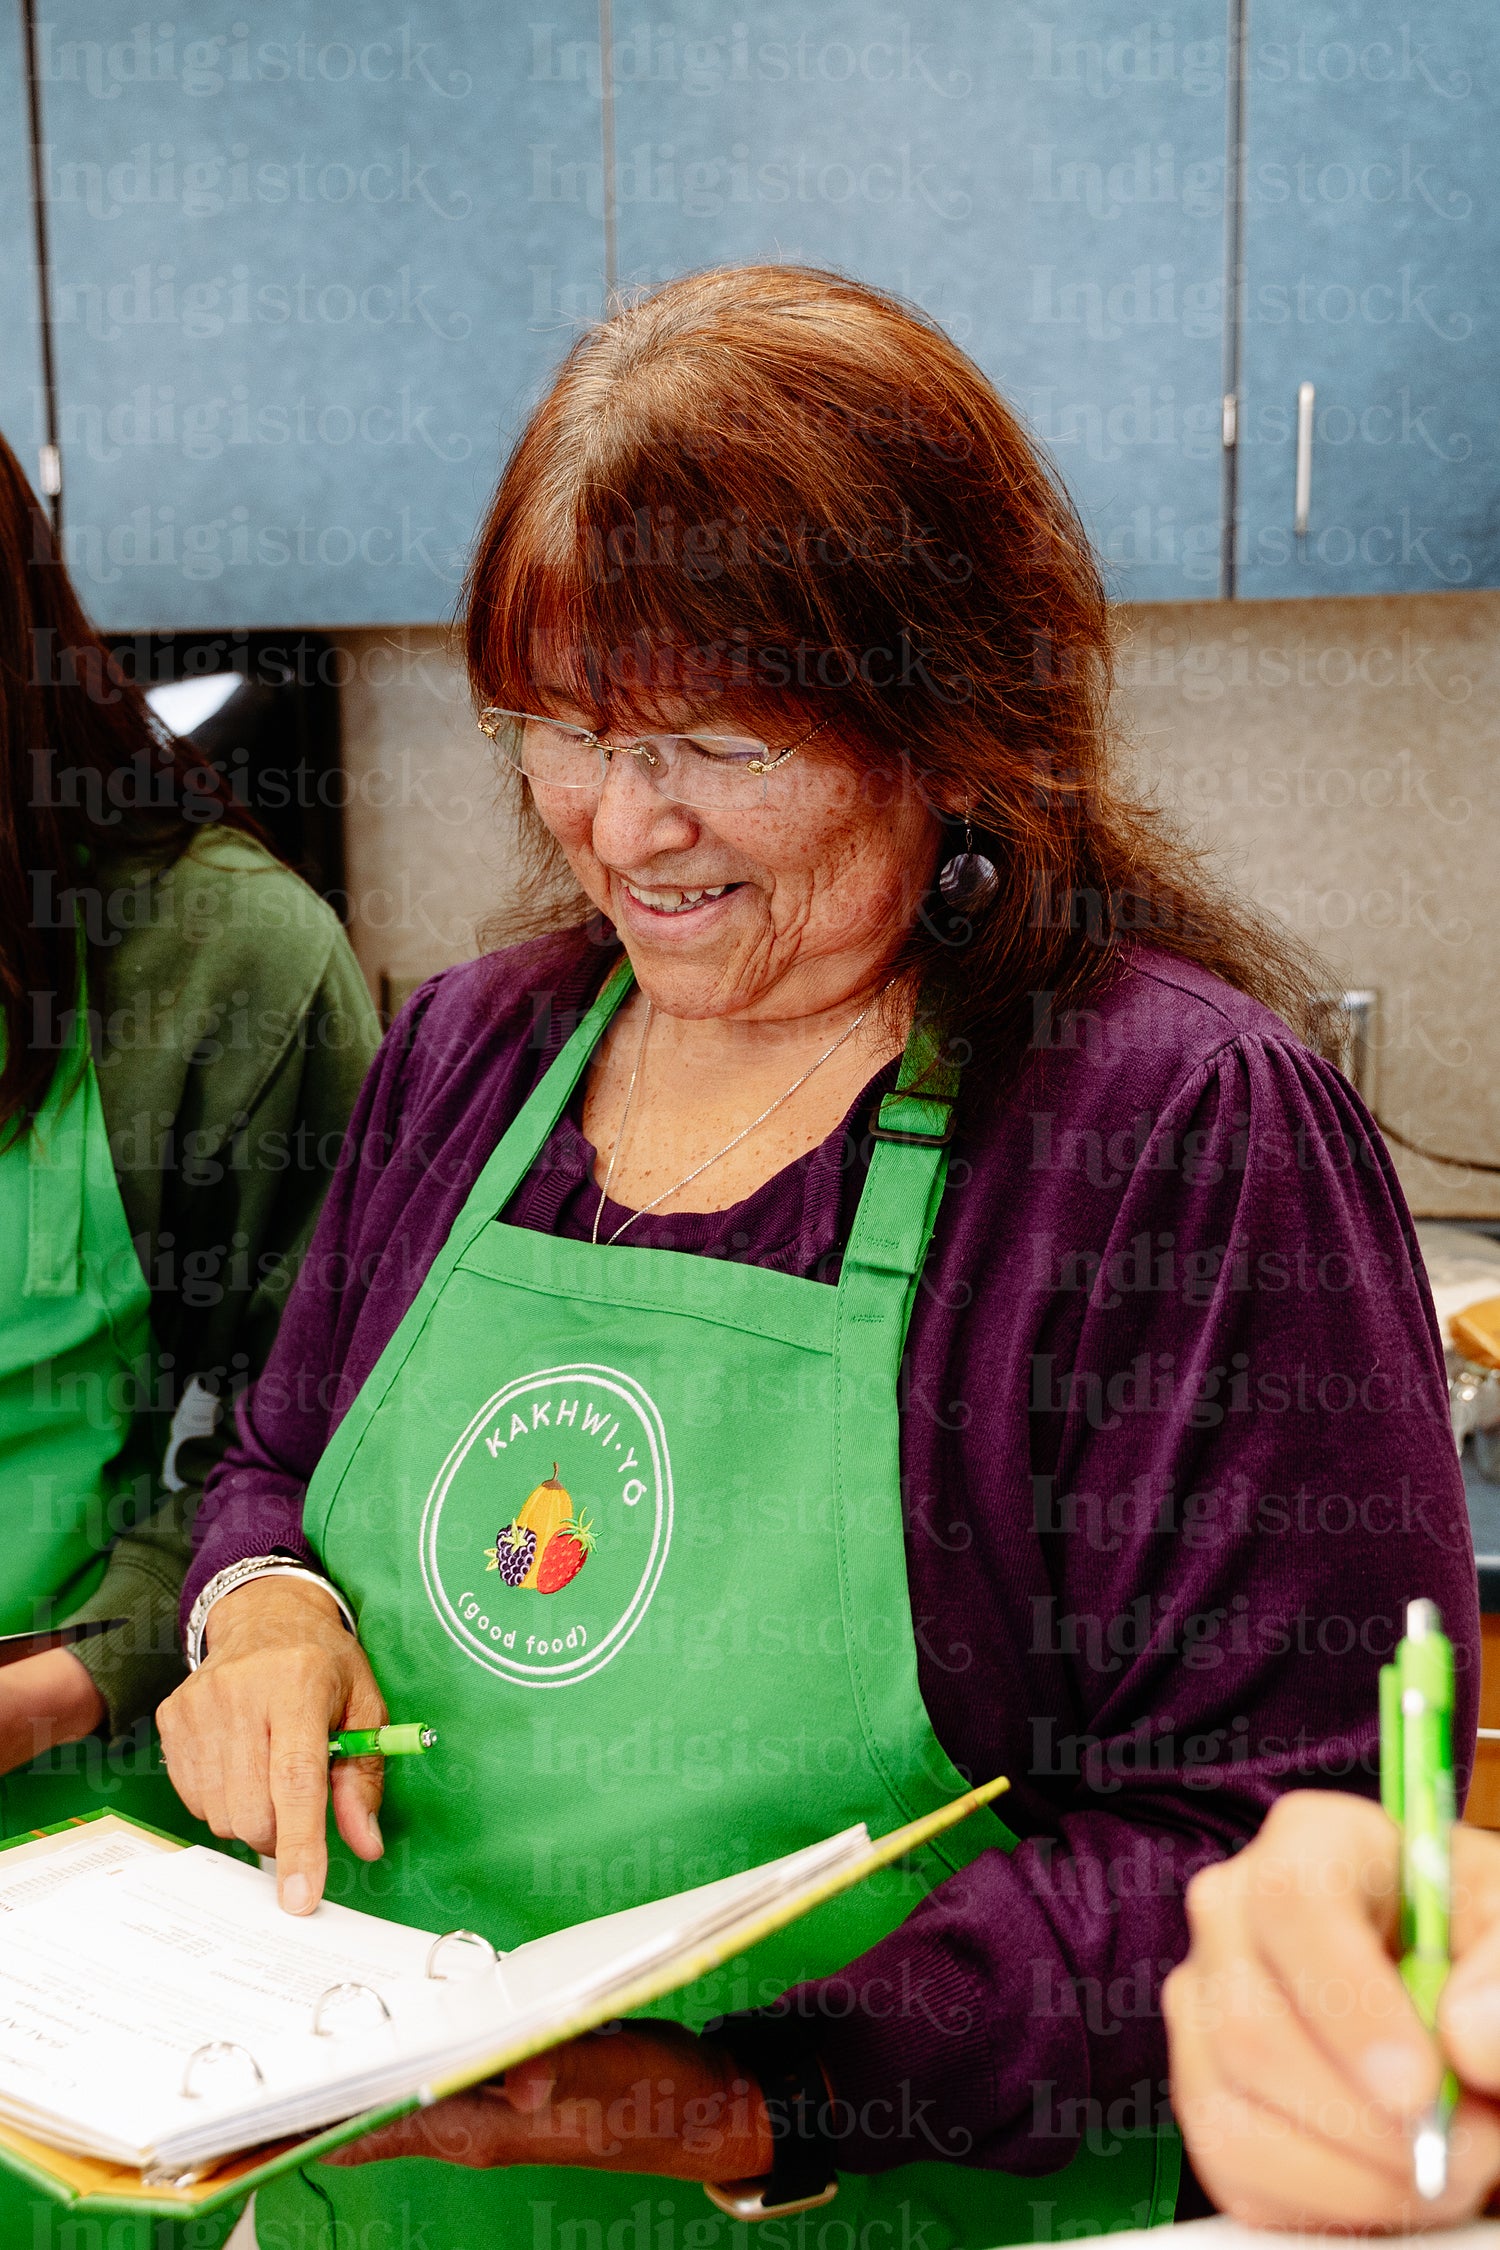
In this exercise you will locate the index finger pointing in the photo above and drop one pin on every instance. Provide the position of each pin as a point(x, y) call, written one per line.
point(298, 1769)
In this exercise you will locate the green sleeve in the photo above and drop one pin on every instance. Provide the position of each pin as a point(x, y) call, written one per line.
point(301, 1101)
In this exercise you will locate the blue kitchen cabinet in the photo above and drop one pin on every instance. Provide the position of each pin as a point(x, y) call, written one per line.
point(1047, 182)
point(1372, 243)
point(23, 416)
point(311, 266)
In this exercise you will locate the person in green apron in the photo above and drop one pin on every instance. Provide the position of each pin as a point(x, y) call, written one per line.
point(678, 1411)
point(142, 1278)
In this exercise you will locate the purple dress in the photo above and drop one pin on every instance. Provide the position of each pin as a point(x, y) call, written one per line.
point(1175, 1454)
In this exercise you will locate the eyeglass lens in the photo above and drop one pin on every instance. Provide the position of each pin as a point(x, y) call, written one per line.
point(705, 770)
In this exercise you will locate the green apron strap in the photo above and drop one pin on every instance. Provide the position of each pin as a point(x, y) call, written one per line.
point(55, 1173)
point(909, 1168)
point(519, 1148)
point(877, 1288)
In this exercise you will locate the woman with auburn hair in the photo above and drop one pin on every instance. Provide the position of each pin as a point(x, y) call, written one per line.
point(877, 1292)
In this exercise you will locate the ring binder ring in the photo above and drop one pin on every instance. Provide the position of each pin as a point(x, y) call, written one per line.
point(342, 1992)
point(452, 1937)
point(215, 2048)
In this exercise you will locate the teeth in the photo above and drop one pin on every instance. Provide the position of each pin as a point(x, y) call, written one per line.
point(674, 902)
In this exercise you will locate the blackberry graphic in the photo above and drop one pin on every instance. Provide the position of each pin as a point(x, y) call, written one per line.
point(514, 1552)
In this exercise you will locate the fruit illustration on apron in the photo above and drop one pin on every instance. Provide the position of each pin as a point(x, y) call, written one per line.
point(547, 1545)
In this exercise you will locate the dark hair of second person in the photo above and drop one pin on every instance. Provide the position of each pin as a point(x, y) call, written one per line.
point(84, 768)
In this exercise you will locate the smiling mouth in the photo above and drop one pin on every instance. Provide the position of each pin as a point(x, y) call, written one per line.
point(661, 900)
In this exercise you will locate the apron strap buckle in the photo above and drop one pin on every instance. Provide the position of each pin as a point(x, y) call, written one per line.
point(914, 1105)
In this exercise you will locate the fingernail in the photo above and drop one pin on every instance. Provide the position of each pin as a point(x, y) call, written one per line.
point(1471, 2016)
point(375, 1836)
point(296, 1894)
point(1398, 2075)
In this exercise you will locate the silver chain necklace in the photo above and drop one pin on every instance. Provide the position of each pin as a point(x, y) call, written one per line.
point(698, 1170)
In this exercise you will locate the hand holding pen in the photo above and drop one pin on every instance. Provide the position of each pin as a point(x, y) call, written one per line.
point(1301, 2072)
point(247, 1735)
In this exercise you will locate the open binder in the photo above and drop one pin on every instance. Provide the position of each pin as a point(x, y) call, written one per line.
point(370, 2019)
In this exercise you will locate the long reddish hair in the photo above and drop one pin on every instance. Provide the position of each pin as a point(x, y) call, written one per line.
point(774, 486)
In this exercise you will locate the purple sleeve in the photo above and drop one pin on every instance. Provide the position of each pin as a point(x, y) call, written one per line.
point(252, 1499)
point(1240, 1472)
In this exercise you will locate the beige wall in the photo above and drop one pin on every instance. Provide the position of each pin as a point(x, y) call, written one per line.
point(1341, 756)
point(427, 846)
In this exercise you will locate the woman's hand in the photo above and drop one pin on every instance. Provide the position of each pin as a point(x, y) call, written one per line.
point(645, 2097)
point(1298, 2064)
point(45, 1700)
point(246, 1737)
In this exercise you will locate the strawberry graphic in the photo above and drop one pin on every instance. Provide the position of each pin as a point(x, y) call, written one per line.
point(564, 1556)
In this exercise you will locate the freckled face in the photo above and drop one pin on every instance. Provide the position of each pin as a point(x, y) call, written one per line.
point(803, 896)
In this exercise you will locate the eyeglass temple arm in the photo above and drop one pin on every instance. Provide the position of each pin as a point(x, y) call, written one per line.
point(779, 757)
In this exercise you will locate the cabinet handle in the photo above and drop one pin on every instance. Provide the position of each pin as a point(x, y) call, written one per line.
point(1302, 500)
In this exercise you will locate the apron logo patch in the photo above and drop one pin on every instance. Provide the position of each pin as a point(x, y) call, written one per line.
point(547, 1526)
point(546, 1546)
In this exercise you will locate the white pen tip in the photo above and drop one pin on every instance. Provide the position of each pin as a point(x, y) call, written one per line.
point(1429, 2160)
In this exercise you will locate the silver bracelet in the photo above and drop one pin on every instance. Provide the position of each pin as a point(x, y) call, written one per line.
point(240, 1574)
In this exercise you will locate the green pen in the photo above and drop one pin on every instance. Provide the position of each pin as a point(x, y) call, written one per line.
point(1416, 1790)
point(382, 1742)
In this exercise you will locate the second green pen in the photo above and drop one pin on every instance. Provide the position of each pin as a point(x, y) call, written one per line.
point(382, 1742)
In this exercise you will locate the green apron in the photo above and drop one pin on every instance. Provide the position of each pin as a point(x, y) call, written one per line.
point(76, 1366)
point(75, 1347)
point(715, 1665)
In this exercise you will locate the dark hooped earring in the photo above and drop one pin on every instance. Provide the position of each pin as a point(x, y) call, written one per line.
point(968, 878)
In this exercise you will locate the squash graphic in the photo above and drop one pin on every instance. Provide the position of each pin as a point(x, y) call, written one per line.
point(544, 1511)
